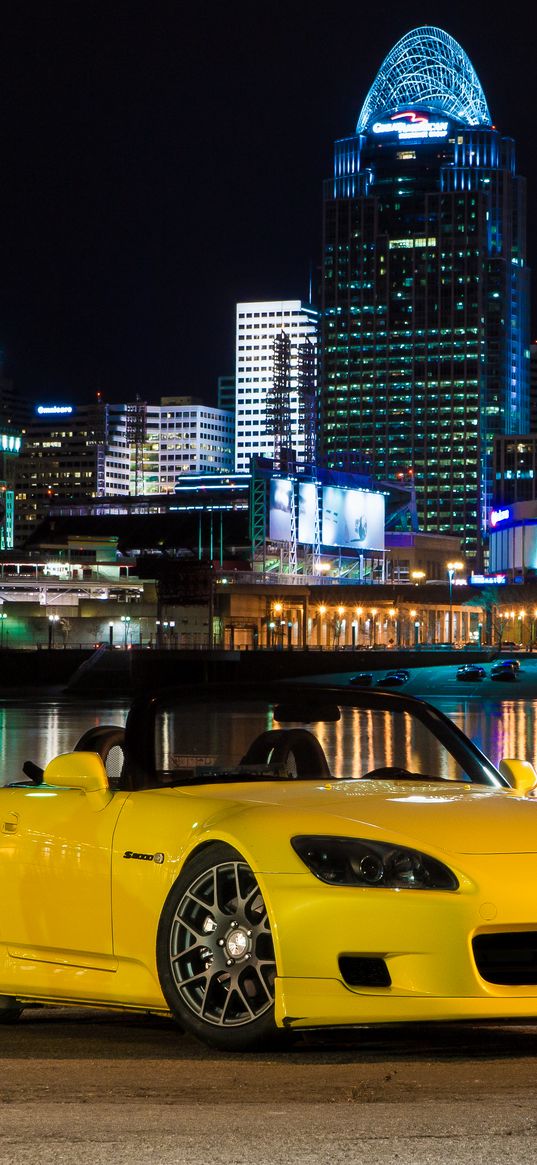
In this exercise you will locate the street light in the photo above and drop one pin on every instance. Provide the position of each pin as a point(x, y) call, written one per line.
point(417, 575)
point(374, 613)
point(339, 624)
point(521, 617)
point(321, 615)
point(452, 567)
point(393, 616)
point(412, 616)
point(125, 619)
point(52, 620)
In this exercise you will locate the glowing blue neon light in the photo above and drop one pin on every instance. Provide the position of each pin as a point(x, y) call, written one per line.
point(427, 69)
point(499, 516)
point(54, 410)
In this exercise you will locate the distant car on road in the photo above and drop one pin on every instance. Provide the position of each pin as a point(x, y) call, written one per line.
point(362, 679)
point(503, 670)
point(470, 672)
point(394, 679)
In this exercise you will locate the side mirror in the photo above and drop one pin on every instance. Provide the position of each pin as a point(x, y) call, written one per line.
point(80, 770)
point(520, 774)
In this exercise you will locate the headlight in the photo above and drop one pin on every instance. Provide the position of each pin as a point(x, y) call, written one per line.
point(346, 861)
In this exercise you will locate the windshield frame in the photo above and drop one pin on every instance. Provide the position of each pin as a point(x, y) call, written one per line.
point(140, 770)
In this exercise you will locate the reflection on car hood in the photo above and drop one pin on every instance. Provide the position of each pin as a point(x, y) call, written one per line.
point(443, 815)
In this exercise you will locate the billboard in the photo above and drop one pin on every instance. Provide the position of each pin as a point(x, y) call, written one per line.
point(352, 518)
point(307, 506)
point(281, 500)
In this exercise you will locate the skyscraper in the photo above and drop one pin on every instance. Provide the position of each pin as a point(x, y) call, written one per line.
point(259, 325)
point(425, 328)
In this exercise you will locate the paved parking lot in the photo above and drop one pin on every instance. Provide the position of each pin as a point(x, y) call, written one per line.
point(89, 1088)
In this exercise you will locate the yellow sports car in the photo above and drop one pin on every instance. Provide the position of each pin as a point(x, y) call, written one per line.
point(295, 858)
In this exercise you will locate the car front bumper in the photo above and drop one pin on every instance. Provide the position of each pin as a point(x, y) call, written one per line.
point(423, 937)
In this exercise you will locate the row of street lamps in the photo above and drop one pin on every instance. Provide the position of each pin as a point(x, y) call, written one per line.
point(279, 624)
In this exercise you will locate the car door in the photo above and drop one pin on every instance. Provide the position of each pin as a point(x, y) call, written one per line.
point(55, 870)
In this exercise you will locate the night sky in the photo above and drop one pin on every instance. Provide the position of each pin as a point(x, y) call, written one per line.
point(160, 161)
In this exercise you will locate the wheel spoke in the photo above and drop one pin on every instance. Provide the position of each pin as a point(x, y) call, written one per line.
point(190, 925)
point(190, 979)
point(245, 1001)
point(188, 951)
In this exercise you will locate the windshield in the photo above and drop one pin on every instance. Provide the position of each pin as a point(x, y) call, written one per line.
point(224, 741)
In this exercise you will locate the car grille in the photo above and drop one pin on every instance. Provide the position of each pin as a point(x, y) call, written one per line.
point(507, 958)
point(364, 971)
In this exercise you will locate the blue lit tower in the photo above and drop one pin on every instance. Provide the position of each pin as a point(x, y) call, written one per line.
point(425, 321)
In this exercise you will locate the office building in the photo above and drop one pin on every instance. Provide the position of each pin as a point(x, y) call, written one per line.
point(69, 452)
point(425, 331)
point(533, 387)
point(191, 437)
point(515, 469)
point(226, 393)
point(259, 327)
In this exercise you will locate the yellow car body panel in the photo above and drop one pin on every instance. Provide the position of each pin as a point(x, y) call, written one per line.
point(83, 893)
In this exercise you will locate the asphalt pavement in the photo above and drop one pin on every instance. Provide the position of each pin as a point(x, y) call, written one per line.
point(89, 1088)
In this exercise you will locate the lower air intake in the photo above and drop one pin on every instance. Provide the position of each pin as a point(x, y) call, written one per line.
point(508, 959)
point(362, 971)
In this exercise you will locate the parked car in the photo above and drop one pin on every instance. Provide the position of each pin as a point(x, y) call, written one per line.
point(471, 672)
point(512, 663)
point(286, 857)
point(362, 679)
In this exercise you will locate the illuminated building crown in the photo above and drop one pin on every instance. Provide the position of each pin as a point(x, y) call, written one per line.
point(426, 69)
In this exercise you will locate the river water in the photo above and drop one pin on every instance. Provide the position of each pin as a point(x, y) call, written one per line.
point(44, 727)
point(40, 728)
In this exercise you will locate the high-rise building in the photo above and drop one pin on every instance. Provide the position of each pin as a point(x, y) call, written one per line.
point(226, 393)
point(259, 328)
point(191, 437)
point(533, 387)
point(69, 452)
point(425, 342)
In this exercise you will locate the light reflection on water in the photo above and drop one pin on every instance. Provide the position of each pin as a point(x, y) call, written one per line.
point(46, 728)
point(505, 728)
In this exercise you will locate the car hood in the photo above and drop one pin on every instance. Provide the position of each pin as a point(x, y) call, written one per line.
point(448, 816)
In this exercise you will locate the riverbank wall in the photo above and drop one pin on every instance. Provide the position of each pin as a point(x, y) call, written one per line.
point(110, 671)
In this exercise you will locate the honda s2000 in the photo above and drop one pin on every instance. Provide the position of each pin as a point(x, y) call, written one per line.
point(299, 858)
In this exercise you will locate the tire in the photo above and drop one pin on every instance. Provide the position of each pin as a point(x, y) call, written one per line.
point(215, 954)
point(10, 1011)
